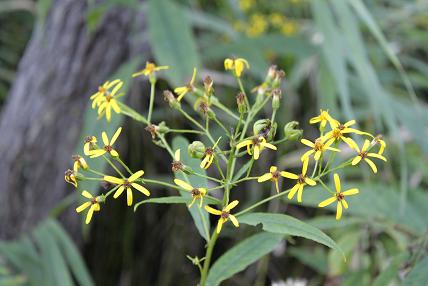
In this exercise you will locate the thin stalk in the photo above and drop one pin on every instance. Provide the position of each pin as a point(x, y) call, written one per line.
point(113, 166)
point(208, 256)
point(124, 166)
point(152, 98)
point(268, 199)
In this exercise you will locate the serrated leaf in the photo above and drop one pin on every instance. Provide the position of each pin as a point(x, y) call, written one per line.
point(284, 224)
point(172, 40)
point(241, 256)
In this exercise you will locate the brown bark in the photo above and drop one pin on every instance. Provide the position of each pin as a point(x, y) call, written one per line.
point(41, 120)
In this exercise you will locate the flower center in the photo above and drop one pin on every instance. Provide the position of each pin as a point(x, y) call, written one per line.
point(340, 196)
point(108, 148)
point(337, 133)
point(195, 192)
point(275, 175)
point(102, 90)
point(88, 139)
point(318, 145)
point(301, 179)
point(126, 184)
point(209, 151)
point(363, 154)
point(341, 127)
point(75, 158)
point(94, 201)
point(224, 214)
point(176, 166)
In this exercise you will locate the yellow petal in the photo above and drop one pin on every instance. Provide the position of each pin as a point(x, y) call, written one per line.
point(310, 182)
point(366, 145)
point(183, 184)
point(337, 182)
point(264, 177)
point(256, 152)
point(350, 192)
point(204, 162)
point(135, 176)
point(243, 143)
point(219, 225)
point(113, 180)
point(114, 153)
point(212, 211)
point(293, 191)
point(356, 160)
point(87, 195)
point(141, 189)
point(300, 193)
point(327, 202)
point(115, 106)
point(307, 143)
point(116, 135)
point(374, 155)
point(89, 215)
point(97, 153)
point(83, 206)
point(344, 203)
point(268, 145)
point(339, 211)
point(289, 175)
point(105, 138)
point(129, 196)
point(177, 155)
point(317, 155)
point(371, 164)
point(108, 112)
point(234, 220)
point(116, 88)
point(305, 167)
point(273, 169)
point(231, 205)
point(119, 192)
point(351, 143)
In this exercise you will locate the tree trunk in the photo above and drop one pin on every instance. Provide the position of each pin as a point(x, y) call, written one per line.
point(40, 123)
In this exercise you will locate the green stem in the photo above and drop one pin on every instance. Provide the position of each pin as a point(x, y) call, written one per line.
point(156, 182)
point(113, 166)
point(206, 177)
point(208, 256)
point(124, 165)
point(152, 98)
point(185, 131)
point(262, 202)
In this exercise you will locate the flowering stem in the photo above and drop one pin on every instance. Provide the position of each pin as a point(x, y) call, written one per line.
point(152, 99)
point(225, 109)
point(156, 182)
point(113, 166)
point(166, 145)
point(245, 179)
point(208, 255)
point(325, 187)
point(124, 165)
point(206, 177)
point(185, 131)
point(95, 172)
point(241, 87)
point(219, 168)
point(262, 202)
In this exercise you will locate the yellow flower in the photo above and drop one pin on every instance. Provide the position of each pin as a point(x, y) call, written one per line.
point(79, 162)
point(257, 25)
point(177, 165)
point(318, 147)
point(245, 5)
point(197, 193)
point(277, 19)
point(338, 133)
point(150, 69)
point(237, 65)
point(363, 154)
point(339, 197)
point(302, 180)
point(256, 144)
point(273, 175)
point(224, 215)
point(92, 203)
point(90, 142)
point(127, 184)
point(324, 117)
point(209, 156)
point(70, 177)
point(182, 90)
point(104, 91)
point(108, 145)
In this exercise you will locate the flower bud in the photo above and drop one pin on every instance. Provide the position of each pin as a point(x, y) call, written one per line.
point(101, 199)
point(170, 98)
point(290, 131)
point(208, 85)
point(196, 149)
point(276, 98)
point(271, 74)
point(264, 127)
point(278, 78)
point(240, 101)
point(162, 128)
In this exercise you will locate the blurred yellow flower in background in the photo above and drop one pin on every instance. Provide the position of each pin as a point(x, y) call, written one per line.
point(150, 69)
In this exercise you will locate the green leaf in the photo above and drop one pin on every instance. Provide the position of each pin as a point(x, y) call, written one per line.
point(242, 171)
point(175, 200)
point(419, 274)
point(200, 216)
point(241, 256)
point(316, 259)
point(284, 224)
point(391, 271)
point(71, 254)
point(172, 40)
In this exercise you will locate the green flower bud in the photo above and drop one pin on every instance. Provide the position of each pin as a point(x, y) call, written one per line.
point(162, 128)
point(276, 98)
point(170, 98)
point(265, 128)
point(240, 101)
point(291, 133)
point(196, 149)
